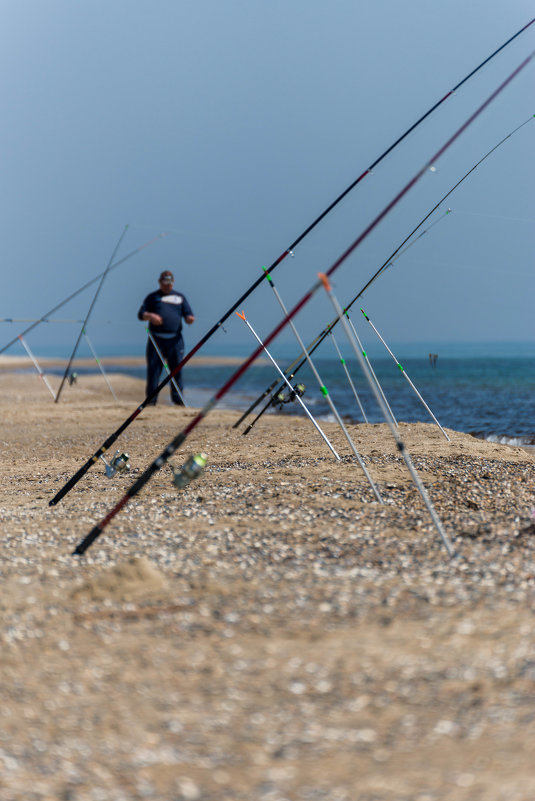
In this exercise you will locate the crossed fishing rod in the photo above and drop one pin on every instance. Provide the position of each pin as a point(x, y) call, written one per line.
point(111, 266)
point(289, 250)
point(181, 437)
point(291, 371)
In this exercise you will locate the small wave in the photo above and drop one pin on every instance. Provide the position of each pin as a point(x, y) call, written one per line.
point(327, 418)
point(527, 440)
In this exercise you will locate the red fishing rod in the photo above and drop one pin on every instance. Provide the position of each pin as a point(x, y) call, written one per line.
point(112, 438)
point(175, 443)
point(291, 371)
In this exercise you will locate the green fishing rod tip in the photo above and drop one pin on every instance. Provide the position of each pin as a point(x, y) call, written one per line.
point(324, 391)
point(364, 354)
point(267, 274)
point(343, 361)
point(400, 367)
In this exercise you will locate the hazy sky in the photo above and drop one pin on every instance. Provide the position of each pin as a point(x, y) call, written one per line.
point(231, 124)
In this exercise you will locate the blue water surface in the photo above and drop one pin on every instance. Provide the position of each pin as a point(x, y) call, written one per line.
point(489, 396)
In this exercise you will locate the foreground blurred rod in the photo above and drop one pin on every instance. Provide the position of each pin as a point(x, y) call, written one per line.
point(44, 317)
point(388, 419)
point(175, 443)
point(297, 397)
point(402, 370)
point(289, 250)
point(324, 392)
point(84, 324)
point(162, 459)
point(297, 363)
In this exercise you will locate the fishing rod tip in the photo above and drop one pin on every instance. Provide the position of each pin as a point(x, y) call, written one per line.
point(242, 315)
point(325, 281)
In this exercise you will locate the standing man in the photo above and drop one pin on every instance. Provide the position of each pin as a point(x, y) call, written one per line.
point(164, 310)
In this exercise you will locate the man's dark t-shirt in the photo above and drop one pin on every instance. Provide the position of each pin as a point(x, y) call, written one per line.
point(171, 307)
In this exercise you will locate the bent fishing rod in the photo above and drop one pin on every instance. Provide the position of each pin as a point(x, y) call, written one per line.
point(298, 362)
point(181, 437)
point(289, 250)
point(84, 324)
point(44, 317)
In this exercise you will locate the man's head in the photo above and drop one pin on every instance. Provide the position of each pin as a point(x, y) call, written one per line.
point(166, 281)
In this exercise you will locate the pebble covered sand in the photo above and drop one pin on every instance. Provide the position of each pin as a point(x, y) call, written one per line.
point(272, 632)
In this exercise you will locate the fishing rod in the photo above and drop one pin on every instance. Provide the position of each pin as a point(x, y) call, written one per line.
point(393, 428)
point(319, 339)
point(369, 364)
point(84, 324)
point(296, 365)
point(404, 373)
point(348, 376)
point(414, 241)
point(42, 376)
point(36, 320)
point(298, 398)
point(181, 437)
point(85, 286)
point(165, 365)
point(289, 251)
point(325, 393)
point(99, 364)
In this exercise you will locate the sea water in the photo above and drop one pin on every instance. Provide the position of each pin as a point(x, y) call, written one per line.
point(489, 398)
point(486, 394)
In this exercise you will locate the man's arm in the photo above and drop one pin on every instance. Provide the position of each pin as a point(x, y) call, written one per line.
point(187, 311)
point(148, 316)
point(152, 317)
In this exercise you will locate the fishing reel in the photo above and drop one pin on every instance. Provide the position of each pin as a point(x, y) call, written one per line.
point(72, 378)
point(119, 463)
point(189, 471)
point(288, 395)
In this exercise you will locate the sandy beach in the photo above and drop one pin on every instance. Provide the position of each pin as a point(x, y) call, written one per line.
point(25, 363)
point(271, 632)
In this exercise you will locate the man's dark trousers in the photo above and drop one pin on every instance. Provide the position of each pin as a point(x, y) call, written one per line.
point(172, 351)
